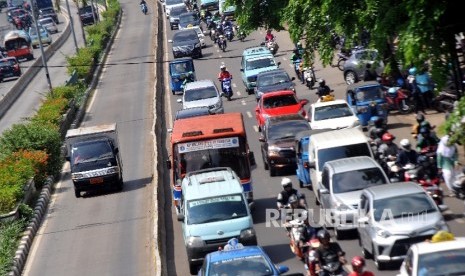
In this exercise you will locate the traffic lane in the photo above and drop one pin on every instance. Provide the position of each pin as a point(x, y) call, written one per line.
point(109, 233)
point(7, 84)
point(28, 102)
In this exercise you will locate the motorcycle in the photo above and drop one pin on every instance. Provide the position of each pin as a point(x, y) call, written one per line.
point(445, 101)
point(229, 33)
point(334, 269)
point(143, 8)
point(297, 68)
point(426, 175)
point(241, 34)
point(309, 77)
point(272, 46)
point(222, 43)
point(226, 87)
point(399, 99)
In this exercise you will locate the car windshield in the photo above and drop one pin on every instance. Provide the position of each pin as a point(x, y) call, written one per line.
point(259, 63)
point(247, 265)
point(174, 2)
point(286, 129)
point(188, 18)
point(436, 263)
point(46, 21)
point(182, 36)
point(279, 101)
point(200, 94)
point(408, 207)
point(329, 154)
point(356, 180)
point(191, 112)
point(86, 9)
point(177, 11)
point(332, 112)
point(216, 209)
point(181, 67)
point(273, 79)
point(366, 55)
point(7, 62)
point(90, 152)
point(369, 93)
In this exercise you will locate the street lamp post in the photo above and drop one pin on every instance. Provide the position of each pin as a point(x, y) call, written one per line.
point(41, 46)
point(72, 27)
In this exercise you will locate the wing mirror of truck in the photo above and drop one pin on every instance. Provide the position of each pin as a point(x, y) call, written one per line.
point(180, 217)
point(252, 158)
point(168, 164)
point(311, 164)
point(363, 220)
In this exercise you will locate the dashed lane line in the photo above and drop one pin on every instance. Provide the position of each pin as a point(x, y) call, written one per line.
point(255, 128)
point(249, 114)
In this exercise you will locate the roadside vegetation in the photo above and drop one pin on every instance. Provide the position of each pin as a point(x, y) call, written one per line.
point(32, 149)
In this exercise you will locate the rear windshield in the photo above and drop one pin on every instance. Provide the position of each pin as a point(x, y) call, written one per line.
point(182, 36)
point(329, 154)
point(188, 18)
point(200, 94)
point(174, 2)
point(90, 152)
point(177, 11)
point(357, 180)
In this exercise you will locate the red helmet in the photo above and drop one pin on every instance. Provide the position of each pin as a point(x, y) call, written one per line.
point(357, 262)
point(387, 137)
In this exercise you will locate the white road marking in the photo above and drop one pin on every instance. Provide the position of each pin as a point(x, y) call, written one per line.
point(291, 65)
point(284, 58)
point(238, 93)
point(243, 102)
point(234, 85)
point(217, 50)
point(249, 114)
point(220, 56)
point(460, 220)
point(255, 128)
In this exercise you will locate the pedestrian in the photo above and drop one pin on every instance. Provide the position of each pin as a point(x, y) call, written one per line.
point(425, 85)
point(412, 85)
point(447, 160)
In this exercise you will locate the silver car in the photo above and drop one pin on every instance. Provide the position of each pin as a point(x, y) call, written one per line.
point(49, 24)
point(356, 65)
point(393, 217)
point(341, 185)
point(202, 93)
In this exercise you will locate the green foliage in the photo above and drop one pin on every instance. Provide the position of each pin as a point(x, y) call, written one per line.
point(9, 239)
point(455, 124)
point(51, 110)
point(82, 62)
point(68, 92)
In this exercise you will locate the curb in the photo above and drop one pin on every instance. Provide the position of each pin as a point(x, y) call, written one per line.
point(40, 208)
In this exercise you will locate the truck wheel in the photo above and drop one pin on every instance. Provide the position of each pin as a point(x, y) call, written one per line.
point(119, 185)
point(77, 193)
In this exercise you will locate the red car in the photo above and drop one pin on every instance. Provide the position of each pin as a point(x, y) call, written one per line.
point(278, 103)
point(9, 68)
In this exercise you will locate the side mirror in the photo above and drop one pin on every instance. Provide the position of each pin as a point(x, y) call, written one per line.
point(169, 130)
point(261, 138)
point(304, 102)
point(363, 220)
point(242, 70)
point(252, 158)
point(394, 180)
point(179, 100)
point(170, 41)
point(306, 165)
point(279, 63)
point(283, 269)
point(293, 79)
point(262, 44)
point(443, 207)
point(324, 191)
point(311, 164)
point(257, 109)
point(180, 217)
point(168, 164)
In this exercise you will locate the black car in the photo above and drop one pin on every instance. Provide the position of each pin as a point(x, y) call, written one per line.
point(273, 80)
point(49, 12)
point(277, 141)
point(174, 16)
point(192, 112)
point(186, 43)
point(188, 19)
point(9, 68)
point(86, 15)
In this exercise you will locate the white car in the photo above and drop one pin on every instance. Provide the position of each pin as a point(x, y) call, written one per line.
point(200, 34)
point(169, 4)
point(202, 93)
point(49, 24)
point(334, 114)
point(435, 258)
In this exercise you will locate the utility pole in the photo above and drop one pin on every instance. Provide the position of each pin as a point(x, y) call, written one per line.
point(72, 27)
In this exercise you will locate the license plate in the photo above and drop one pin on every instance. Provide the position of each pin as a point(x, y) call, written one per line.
point(96, 180)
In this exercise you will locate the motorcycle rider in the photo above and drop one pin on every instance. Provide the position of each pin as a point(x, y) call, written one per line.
point(377, 130)
point(323, 89)
point(224, 74)
point(421, 122)
point(328, 253)
point(412, 85)
point(358, 265)
point(284, 196)
point(388, 149)
point(406, 155)
point(426, 139)
point(269, 36)
point(143, 3)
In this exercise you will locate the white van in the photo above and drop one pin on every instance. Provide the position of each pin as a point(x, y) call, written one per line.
point(226, 10)
point(333, 145)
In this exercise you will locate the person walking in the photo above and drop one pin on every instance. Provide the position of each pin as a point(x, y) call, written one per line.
point(447, 159)
point(413, 87)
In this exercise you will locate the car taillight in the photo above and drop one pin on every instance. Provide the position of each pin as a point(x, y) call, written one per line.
point(16, 66)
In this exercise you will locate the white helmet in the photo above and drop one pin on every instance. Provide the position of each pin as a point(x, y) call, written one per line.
point(405, 143)
point(286, 182)
point(222, 67)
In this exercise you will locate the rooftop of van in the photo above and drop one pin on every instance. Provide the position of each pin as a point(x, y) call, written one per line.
point(211, 183)
point(352, 164)
point(340, 137)
point(256, 52)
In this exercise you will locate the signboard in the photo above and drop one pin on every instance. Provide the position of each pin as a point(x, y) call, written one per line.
point(195, 203)
point(221, 143)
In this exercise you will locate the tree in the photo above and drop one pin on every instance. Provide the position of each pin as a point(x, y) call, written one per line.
point(408, 32)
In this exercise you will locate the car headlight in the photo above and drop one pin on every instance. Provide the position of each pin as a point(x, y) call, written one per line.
point(218, 104)
point(273, 151)
point(76, 176)
point(383, 233)
point(356, 123)
point(247, 233)
point(113, 170)
point(194, 241)
point(441, 225)
point(197, 45)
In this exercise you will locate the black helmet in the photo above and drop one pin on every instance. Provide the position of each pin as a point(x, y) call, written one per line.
point(424, 130)
point(323, 235)
point(420, 118)
point(322, 82)
point(292, 199)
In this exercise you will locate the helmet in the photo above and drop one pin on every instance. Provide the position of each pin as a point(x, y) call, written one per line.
point(442, 236)
point(392, 90)
point(357, 262)
point(405, 143)
point(424, 130)
point(420, 117)
point(387, 137)
point(292, 199)
point(222, 67)
point(299, 44)
point(321, 82)
point(412, 71)
point(286, 182)
point(323, 235)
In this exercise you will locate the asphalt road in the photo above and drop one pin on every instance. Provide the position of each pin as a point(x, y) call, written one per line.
point(266, 188)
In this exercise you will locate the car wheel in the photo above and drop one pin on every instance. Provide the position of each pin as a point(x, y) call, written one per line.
point(171, 26)
point(367, 255)
point(193, 268)
point(350, 77)
point(272, 171)
point(249, 91)
point(338, 234)
point(77, 193)
point(119, 185)
point(265, 164)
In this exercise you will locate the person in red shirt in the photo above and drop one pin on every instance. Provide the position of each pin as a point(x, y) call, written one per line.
point(269, 36)
point(224, 74)
point(358, 264)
